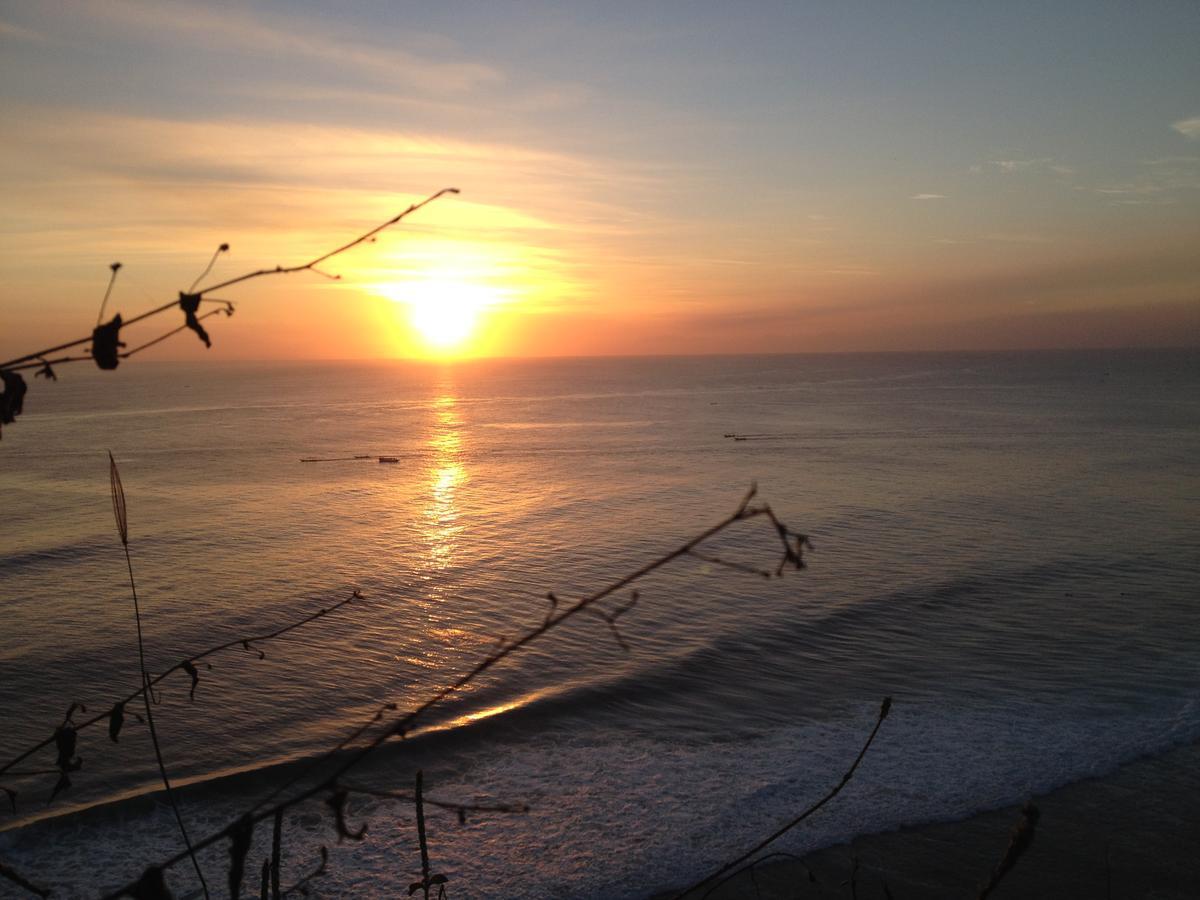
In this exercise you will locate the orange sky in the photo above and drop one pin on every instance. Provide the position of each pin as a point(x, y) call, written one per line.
point(631, 186)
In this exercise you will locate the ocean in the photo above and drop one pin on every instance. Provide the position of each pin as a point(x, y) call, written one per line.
point(1007, 544)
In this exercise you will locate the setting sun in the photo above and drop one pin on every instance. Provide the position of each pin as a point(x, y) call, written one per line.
point(443, 311)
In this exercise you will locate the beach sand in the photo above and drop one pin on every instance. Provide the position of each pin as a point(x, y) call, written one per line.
point(1135, 833)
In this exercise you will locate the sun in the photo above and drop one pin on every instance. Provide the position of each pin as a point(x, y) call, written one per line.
point(443, 311)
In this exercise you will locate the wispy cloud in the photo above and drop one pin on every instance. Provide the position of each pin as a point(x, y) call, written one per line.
point(235, 152)
point(1009, 166)
point(1041, 164)
point(232, 28)
point(1157, 176)
point(176, 182)
point(1144, 201)
point(1189, 128)
point(20, 33)
point(1172, 161)
point(118, 183)
point(1005, 237)
point(852, 270)
point(927, 197)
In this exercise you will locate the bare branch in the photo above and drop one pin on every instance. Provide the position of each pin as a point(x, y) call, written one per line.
point(224, 248)
point(278, 270)
point(729, 564)
point(112, 279)
point(183, 666)
point(459, 808)
point(11, 874)
point(281, 270)
point(228, 310)
point(276, 854)
point(421, 839)
point(733, 867)
point(405, 722)
point(119, 513)
point(301, 886)
point(1018, 842)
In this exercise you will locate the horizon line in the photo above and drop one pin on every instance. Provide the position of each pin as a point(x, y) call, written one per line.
point(451, 360)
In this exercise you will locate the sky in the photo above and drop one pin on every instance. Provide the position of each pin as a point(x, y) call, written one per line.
point(636, 178)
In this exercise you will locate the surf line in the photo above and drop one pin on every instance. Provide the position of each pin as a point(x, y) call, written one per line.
point(382, 459)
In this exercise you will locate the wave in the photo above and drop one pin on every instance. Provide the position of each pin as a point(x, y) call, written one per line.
point(773, 672)
point(69, 553)
point(607, 808)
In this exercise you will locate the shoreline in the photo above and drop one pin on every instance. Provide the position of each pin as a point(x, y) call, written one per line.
point(1131, 833)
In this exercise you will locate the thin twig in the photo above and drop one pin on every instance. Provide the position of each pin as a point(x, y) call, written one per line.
point(1019, 840)
point(228, 310)
point(421, 839)
point(744, 511)
point(782, 854)
point(40, 363)
point(281, 270)
point(119, 513)
point(404, 723)
point(112, 279)
point(276, 854)
point(301, 886)
point(11, 874)
point(181, 666)
point(430, 801)
point(401, 728)
point(731, 868)
point(278, 270)
point(221, 249)
point(730, 564)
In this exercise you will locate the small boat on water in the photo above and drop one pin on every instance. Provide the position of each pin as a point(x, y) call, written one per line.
point(316, 459)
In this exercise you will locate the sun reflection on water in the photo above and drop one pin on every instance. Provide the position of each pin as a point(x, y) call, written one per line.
point(446, 475)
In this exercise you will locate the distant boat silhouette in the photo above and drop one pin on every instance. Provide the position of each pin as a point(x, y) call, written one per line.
point(316, 459)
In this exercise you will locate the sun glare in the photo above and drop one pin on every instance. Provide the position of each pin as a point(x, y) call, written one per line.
point(443, 311)
point(458, 297)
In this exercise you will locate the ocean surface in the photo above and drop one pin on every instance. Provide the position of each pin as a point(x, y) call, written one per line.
point(1006, 544)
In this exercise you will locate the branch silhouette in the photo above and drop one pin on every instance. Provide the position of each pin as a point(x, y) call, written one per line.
point(10, 874)
point(119, 513)
point(461, 809)
point(1019, 840)
point(733, 867)
point(427, 880)
point(792, 546)
point(188, 667)
point(105, 340)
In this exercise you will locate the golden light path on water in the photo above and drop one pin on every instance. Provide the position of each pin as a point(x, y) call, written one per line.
point(446, 475)
point(497, 709)
point(438, 530)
